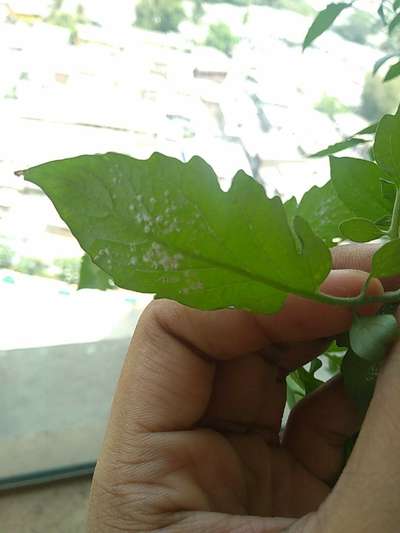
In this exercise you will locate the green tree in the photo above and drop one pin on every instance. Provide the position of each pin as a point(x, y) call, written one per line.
point(159, 15)
point(379, 98)
point(358, 27)
point(69, 269)
point(198, 11)
point(220, 37)
point(6, 256)
point(31, 266)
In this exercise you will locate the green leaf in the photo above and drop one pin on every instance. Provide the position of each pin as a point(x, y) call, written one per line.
point(310, 382)
point(387, 146)
point(359, 378)
point(357, 183)
point(371, 336)
point(384, 222)
point(315, 365)
point(386, 261)
point(294, 390)
point(301, 382)
point(360, 230)
point(92, 277)
point(314, 249)
point(324, 211)
point(290, 208)
point(324, 21)
point(381, 61)
point(334, 362)
point(393, 72)
point(383, 11)
point(354, 140)
point(369, 129)
point(396, 5)
point(388, 190)
point(338, 147)
point(394, 23)
point(166, 227)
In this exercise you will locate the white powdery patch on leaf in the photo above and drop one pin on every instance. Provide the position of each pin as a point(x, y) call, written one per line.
point(159, 258)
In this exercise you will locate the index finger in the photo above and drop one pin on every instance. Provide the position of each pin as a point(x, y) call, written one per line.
point(359, 257)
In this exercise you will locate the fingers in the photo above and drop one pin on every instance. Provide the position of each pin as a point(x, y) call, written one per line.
point(228, 523)
point(359, 257)
point(304, 320)
point(354, 256)
point(249, 392)
point(318, 428)
point(167, 380)
point(370, 484)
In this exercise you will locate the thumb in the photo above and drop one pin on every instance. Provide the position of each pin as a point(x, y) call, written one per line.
point(367, 496)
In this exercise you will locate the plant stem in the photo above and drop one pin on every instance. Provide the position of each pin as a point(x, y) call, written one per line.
point(393, 232)
point(360, 299)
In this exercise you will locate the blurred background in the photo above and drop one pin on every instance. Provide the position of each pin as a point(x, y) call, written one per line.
point(227, 81)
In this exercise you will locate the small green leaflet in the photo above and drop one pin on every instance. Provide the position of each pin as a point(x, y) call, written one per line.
point(324, 211)
point(360, 230)
point(352, 141)
point(396, 5)
point(387, 146)
point(324, 21)
point(166, 227)
point(357, 183)
point(369, 129)
point(359, 378)
point(92, 277)
point(393, 72)
point(386, 261)
point(371, 336)
point(338, 147)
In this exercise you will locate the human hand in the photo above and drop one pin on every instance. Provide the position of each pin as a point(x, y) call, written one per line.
point(193, 441)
